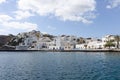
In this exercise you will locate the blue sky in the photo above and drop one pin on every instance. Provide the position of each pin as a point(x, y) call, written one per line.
point(86, 18)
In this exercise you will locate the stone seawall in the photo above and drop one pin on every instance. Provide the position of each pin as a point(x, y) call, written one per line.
point(88, 50)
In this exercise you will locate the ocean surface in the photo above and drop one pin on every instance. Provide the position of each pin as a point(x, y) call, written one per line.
point(59, 66)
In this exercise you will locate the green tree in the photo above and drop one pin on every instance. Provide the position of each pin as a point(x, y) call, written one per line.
point(117, 39)
point(85, 46)
point(80, 40)
point(109, 44)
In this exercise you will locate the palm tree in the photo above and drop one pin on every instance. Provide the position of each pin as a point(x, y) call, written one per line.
point(117, 39)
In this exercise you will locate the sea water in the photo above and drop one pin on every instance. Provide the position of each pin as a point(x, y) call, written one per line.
point(59, 66)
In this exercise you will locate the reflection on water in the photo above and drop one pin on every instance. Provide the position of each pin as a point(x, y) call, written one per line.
point(59, 66)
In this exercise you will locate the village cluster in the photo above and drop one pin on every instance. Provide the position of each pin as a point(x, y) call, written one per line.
point(35, 40)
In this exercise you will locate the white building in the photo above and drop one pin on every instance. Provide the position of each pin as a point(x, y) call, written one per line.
point(110, 38)
point(91, 43)
point(95, 45)
point(30, 40)
point(63, 43)
point(43, 43)
point(81, 46)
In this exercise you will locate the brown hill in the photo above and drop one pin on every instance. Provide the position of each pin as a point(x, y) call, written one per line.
point(4, 39)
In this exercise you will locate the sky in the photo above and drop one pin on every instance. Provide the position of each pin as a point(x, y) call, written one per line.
point(84, 18)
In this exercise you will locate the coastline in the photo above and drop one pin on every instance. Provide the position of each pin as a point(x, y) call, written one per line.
point(87, 50)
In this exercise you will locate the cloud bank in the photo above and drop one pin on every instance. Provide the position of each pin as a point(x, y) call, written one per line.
point(8, 24)
point(66, 10)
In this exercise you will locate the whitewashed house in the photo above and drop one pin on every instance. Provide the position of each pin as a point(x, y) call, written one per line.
point(95, 45)
point(81, 46)
point(56, 44)
point(30, 40)
point(91, 43)
point(63, 43)
point(43, 43)
point(110, 38)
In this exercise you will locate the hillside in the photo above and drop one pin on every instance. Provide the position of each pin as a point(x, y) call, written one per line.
point(4, 39)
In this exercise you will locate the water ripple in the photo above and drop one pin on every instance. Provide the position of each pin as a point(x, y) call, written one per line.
point(57, 66)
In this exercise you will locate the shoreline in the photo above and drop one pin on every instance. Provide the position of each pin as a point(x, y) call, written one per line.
point(87, 50)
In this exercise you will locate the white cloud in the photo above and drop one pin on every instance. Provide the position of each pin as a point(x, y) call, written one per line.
point(72, 10)
point(4, 31)
point(8, 24)
point(22, 14)
point(51, 28)
point(4, 18)
point(113, 4)
point(20, 26)
point(2, 1)
point(108, 6)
